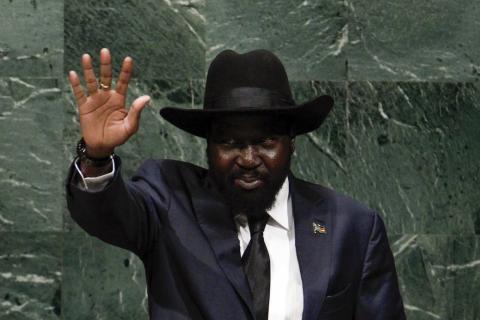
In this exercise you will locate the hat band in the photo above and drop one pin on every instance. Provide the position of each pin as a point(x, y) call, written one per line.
point(248, 97)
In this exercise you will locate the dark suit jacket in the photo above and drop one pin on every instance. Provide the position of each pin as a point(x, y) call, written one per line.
point(172, 217)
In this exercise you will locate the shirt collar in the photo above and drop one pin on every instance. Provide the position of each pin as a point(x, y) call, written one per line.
point(279, 210)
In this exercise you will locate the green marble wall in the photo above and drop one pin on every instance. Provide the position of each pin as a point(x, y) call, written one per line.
point(404, 136)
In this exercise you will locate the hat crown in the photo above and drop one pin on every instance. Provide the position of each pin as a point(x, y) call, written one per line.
point(255, 69)
point(250, 83)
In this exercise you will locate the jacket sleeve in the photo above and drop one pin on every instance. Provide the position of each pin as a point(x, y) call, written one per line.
point(379, 295)
point(92, 184)
point(125, 213)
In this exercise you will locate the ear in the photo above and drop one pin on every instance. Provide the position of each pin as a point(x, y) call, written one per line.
point(292, 145)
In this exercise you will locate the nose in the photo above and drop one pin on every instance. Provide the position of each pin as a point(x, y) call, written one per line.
point(248, 157)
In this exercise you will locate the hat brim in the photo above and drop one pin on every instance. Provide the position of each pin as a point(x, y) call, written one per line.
point(306, 117)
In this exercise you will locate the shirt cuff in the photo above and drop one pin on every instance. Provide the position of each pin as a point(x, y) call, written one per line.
point(93, 184)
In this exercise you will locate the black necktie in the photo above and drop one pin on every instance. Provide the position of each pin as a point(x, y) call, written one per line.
point(256, 264)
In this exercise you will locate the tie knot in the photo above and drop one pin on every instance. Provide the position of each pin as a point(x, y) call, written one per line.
point(257, 225)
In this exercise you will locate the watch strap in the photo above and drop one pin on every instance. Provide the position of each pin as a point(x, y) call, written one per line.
point(90, 161)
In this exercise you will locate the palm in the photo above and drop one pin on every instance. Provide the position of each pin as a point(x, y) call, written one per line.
point(104, 120)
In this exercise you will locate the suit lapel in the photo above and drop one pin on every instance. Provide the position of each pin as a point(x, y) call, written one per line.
point(313, 248)
point(217, 224)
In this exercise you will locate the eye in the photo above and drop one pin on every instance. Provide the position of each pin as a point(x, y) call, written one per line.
point(268, 141)
point(228, 143)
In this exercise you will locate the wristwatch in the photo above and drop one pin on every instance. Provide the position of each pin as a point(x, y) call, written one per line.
point(90, 161)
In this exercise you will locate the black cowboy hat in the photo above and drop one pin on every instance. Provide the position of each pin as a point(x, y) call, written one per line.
point(254, 82)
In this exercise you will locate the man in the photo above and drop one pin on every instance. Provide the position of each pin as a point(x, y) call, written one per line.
point(244, 239)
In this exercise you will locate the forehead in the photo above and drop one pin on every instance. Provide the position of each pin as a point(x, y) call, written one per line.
point(249, 124)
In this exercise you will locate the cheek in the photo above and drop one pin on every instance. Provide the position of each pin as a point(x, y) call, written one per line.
point(219, 161)
point(277, 159)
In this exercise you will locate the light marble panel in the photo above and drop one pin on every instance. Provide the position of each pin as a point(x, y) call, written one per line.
point(30, 275)
point(31, 38)
point(31, 157)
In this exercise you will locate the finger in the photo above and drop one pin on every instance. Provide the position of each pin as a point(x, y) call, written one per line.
point(105, 67)
point(77, 88)
point(132, 120)
point(89, 74)
point(124, 77)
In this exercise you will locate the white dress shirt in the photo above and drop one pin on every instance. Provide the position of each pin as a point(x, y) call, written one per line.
point(286, 291)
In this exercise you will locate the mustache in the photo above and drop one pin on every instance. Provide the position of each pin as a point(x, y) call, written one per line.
point(255, 174)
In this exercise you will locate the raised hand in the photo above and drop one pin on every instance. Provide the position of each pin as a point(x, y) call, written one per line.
point(105, 122)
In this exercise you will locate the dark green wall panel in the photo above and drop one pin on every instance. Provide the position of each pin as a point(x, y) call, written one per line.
point(100, 281)
point(165, 39)
point(408, 149)
point(439, 275)
point(308, 36)
point(433, 40)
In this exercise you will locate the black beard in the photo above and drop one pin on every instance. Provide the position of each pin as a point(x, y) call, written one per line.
point(253, 203)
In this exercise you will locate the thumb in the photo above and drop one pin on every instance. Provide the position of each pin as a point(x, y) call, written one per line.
point(132, 119)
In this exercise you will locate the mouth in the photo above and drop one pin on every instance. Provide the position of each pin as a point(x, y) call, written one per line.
point(248, 182)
